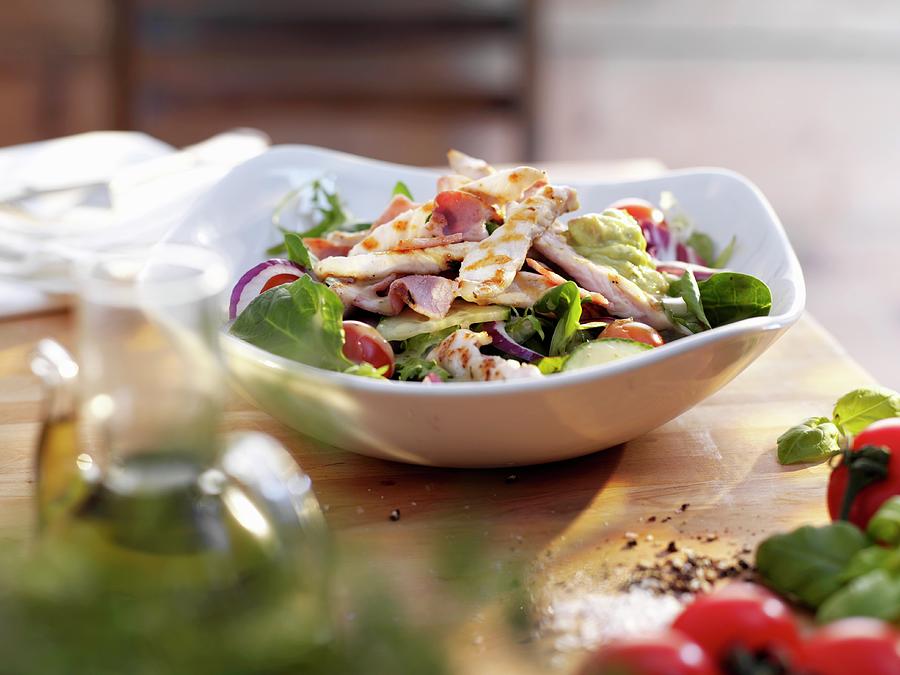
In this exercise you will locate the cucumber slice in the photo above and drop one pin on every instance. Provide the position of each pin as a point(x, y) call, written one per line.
point(603, 350)
point(408, 323)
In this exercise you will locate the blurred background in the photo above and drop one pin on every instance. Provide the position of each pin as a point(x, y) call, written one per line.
point(802, 97)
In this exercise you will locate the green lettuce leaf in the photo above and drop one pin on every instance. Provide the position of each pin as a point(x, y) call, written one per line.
point(564, 302)
point(302, 321)
point(411, 364)
point(812, 440)
point(858, 409)
point(552, 364)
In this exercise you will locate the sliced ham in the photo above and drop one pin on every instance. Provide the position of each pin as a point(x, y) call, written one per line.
point(426, 294)
point(372, 297)
point(457, 212)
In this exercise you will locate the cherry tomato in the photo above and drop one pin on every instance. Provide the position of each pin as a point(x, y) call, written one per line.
point(883, 433)
point(740, 615)
point(851, 646)
point(641, 210)
point(632, 330)
point(364, 344)
point(669, 653)
point(279, 279)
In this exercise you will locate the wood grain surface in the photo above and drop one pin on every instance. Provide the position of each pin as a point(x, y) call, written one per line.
point(707, 481)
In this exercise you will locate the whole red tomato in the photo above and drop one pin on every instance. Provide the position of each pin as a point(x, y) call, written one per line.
point(740, 615)
point(669, 653)
point(641, 210)
point(364, 344)
point(885, 433)
point(851, 646)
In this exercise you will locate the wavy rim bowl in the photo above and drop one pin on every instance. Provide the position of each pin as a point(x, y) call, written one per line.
point(773, 322)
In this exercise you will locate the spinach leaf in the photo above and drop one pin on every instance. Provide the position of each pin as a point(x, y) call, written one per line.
point(808, 563)
point(812, 440)
point(565, 303)
point(688, 311)
point(296, 250)
point(400, 188)
point(300, 321)
point(730, 296)
point(858, 409)
point(875, 594)
point(411, 363)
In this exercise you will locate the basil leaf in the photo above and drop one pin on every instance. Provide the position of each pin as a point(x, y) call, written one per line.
point(703, 245)
point(400, 188)
point(723, 258)
point(868, 559)
point(551, 364)
point(855, 411)
point(875, 594)
point(564, 302)
point(884, 526)
point(812, 440)
point(300, 321)
point(730, 296)
point(808, 562)
point(296, 250)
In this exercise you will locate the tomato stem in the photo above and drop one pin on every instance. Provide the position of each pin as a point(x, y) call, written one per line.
point(865, 466)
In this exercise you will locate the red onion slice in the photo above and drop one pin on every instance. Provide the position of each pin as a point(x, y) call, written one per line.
point(251, 284)
point(501, 340)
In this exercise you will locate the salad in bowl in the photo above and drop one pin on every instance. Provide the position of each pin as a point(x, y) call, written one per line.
point(496, 275)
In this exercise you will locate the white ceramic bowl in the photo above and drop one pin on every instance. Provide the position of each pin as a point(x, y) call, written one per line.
point(496, 423)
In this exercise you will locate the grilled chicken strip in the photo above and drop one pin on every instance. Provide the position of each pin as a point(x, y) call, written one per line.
point(625, 298)
point(491, 267)
point(384, 263)
point(471, 167)
point(505, 186)
point(460, 355)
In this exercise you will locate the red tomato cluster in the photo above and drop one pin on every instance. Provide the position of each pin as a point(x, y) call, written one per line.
point(886, 434)
point(743, 628)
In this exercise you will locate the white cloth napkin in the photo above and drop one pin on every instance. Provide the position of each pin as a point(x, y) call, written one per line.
point(65, 199)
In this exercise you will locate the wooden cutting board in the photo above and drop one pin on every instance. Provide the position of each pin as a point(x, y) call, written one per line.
point(707, 481)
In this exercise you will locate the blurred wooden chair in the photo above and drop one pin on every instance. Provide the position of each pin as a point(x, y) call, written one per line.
point(397, 79)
